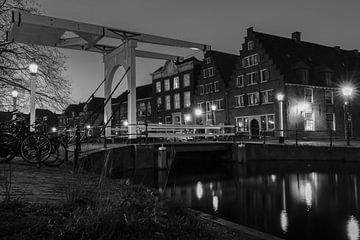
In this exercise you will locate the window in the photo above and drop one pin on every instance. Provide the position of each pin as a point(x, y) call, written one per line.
point(216, 86)
point(167, 85)
point(250, 61)
point(329, 99)
point(158, 87)
point(239, 101)
point(176, 83)
point(208, 106)
point(250, 45)
point(158, 102)
point(201, 89)
point(168, 119)
point(264, 75)
point(251, 78)
point(208, 60)
point(176, 100)
point(328, 78)
point(187, 101)
point(208, 72)
point(242, 124)
point(200, 105)
point(187, 80)
point(219, 104)
point(267, 96)
point(309, 122)
point(330, 121)
point(211, 87)
point(240, 81)
point(167, 102)
point(270, 122)
point(142, 109)
point(253, 98)
point(308, 94)
point(303, 76)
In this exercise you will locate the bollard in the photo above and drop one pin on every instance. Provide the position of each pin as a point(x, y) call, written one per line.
point(239, 154)
point(162, 158)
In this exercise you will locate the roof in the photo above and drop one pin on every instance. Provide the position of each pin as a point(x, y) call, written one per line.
point(224, 62)
point(142, 92)
point(289, 54)
point(191, 59)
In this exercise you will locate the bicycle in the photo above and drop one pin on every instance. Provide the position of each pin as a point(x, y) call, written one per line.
point(16, 139)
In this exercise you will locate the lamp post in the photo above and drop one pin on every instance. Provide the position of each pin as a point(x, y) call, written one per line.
point(280, 98)
point(213, 109)
point(33, 68)
point(347, 91)
point(14, 94)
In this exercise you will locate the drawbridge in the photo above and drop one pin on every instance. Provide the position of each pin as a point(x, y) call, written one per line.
point(29, 28)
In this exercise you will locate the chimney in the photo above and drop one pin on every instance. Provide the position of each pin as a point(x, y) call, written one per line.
point(250, 30)
point(337, 49)
point(296, 36)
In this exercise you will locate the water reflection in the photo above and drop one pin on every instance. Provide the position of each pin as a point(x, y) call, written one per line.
point(311, 203)
point(352, 228)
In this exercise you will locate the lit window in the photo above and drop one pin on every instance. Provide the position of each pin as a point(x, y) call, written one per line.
point(187, 102)
point(240, 81)
point(216, 86)
point(187, 80)
point(176, 83)
point(242, 124)
point(266, 96)
point(167, 102)
point(264, 75)
point(167, 85)
point(253, 98)
point(329, 99)
point(158, 87)
point(250, 45)
point(158, 102)
point(177, 101)
point(309, 122)
point(200, 105)
point(251, 78)
point(308, 94)
point(201, 89)
point(330, 121)
point(270, 122)
point(239, 101)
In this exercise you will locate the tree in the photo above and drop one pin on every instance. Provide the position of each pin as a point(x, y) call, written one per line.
point(53, 90)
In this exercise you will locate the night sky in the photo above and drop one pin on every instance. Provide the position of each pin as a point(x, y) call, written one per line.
point(221, 24)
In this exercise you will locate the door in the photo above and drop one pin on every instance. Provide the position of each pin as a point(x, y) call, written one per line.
point(254, 128)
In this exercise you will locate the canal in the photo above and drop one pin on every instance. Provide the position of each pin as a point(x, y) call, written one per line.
point(290, 200)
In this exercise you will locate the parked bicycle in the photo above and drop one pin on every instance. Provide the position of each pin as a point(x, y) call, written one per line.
point(16, 139)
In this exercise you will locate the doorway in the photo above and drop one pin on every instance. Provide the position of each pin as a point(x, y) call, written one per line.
point(254, 129)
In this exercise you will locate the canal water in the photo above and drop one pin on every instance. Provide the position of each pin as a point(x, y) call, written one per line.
point(290, 200)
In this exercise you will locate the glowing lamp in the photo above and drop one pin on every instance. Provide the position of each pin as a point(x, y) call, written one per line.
point(280, 97)
point(213, 107)
point(14, 93)
point(33, 68)
point(198, 112)
point(347, 91)
point(126, 123)
point(187, 117)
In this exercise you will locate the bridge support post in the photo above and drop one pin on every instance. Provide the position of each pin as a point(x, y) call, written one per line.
point(162, 158)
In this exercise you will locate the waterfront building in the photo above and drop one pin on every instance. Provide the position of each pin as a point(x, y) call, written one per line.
point(212, 89)
point(309, 76)
point(174, 91)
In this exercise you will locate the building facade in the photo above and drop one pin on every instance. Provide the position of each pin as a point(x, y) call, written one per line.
point(174, 91)
point(212, 90)
point(309, 77)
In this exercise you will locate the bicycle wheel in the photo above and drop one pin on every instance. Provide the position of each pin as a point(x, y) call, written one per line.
point(7, 147)
point(58, 154)
point(35, 147)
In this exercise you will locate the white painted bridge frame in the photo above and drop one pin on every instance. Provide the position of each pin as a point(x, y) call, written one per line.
point(49, 31)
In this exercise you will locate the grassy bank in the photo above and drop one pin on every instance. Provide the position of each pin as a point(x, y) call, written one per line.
point(136, 213)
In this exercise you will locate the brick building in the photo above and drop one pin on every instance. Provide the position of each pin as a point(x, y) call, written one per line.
point(174, 91)
point(213, 85)
point(307, 74)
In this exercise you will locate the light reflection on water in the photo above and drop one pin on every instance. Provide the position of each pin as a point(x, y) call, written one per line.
point(310, 203)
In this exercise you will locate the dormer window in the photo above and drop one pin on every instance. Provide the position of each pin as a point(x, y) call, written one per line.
point(328, 78)
point(250, 45)
point(302, 75)
point(208, 60)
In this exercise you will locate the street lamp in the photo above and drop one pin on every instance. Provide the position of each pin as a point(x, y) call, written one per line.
point(33, 68)
point(213, 109)
point(347, 91)
point(187, 118)
point(280, 98)
point(198, 114)
point(14, 94)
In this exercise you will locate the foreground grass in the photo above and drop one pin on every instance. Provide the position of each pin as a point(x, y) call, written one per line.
point(136, 213)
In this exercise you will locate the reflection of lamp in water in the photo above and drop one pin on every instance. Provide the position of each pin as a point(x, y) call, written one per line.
point(215, 202)
point(352, 228)
point(199, 190)
point(273, 177)
point(284, 221)
point(308, 195)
